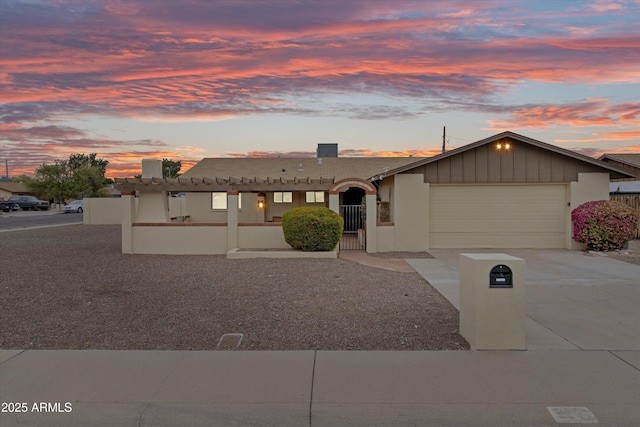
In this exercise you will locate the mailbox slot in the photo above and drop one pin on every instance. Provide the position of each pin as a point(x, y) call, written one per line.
point(501, 277)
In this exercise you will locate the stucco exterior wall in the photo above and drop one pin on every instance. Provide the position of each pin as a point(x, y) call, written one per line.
point(199, 208)
point(4, 194)
point(410, 213)
point(177, 206)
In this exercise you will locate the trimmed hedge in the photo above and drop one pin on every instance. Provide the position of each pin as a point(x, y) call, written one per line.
point(603, 225)
point(312, 229)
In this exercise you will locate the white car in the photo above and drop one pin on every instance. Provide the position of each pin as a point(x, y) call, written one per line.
point(75, 206)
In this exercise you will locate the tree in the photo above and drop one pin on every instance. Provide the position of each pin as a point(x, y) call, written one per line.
point(50, 181)
point(79, 176)
point(81, 161)
point(171, 168)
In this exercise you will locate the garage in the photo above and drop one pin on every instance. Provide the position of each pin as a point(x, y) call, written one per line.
point(498, 216)
point(505, 191)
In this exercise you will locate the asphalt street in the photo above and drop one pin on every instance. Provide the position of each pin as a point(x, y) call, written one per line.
point(28, 219)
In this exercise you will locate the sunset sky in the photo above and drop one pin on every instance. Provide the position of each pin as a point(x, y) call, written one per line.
point(133, 79)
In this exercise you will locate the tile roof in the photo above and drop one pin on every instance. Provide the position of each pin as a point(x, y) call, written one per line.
point(632, 159)
point(301, 168)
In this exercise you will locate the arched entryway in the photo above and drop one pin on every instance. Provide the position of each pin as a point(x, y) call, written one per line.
point(352, 196)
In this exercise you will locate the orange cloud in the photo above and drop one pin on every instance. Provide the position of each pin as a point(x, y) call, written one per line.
point(590, 112)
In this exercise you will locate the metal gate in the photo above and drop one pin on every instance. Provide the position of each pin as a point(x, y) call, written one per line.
point(354, 235)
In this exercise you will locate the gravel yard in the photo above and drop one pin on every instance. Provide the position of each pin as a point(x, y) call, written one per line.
point(72, 288)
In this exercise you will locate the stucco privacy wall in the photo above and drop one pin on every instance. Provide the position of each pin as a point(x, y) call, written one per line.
point(101, 211)
point(104, 210)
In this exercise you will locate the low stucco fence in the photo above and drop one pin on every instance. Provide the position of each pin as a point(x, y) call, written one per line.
point(203, 238)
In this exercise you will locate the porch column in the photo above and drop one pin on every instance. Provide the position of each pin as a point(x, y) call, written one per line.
point(232, 220)
point(372, 232)
point(334, 202)
point(128, 206)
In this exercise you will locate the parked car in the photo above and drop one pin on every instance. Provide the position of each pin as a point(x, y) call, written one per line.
point(29, 203)
point(75, 206)
point(9, 206)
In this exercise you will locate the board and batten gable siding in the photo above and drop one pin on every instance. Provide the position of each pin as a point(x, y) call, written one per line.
point(522, 163)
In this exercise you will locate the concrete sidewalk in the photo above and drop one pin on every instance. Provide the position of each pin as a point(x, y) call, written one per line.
point(225, 388)
point(582, 367)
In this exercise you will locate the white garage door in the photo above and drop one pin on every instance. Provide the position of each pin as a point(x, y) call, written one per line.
point(498, 216)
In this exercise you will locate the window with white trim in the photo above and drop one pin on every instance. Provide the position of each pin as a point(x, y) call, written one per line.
point(315, 197)
point(282, 197)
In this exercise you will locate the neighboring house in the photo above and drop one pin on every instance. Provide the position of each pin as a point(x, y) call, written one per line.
point(506, 191)
point(8, 189)
point(627, 161)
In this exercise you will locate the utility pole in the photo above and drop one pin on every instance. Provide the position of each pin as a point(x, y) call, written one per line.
point(444, 136)
point(6, 167)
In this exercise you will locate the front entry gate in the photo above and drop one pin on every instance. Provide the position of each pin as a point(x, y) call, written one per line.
point(354, 236)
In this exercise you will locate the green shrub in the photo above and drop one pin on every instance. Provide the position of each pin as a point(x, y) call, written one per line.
point(312, 228)
point(603, 225)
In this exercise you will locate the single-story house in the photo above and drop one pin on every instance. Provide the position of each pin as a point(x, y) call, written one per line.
point(8, 189)
point(506, 191)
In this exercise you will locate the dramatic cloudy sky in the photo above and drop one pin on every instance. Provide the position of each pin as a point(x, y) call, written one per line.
point(133, 79)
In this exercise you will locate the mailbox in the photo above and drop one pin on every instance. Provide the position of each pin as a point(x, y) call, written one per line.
point(500, 277)
point(490, 318)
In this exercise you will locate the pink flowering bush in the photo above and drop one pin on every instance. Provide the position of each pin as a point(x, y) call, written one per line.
point(603, 225)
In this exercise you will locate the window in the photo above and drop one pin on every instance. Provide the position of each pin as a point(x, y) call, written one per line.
point(282, 197)
point(315, 196)
point(219, 200)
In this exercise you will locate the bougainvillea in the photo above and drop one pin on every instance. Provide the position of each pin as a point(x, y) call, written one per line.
point(603, 225)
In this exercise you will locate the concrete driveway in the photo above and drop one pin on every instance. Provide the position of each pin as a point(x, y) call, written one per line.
point(574, 300)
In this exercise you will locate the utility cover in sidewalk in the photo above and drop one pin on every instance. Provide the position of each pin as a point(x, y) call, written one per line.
point(572, 415)
point(229, 342)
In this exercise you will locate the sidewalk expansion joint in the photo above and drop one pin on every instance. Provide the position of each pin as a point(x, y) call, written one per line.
point(313, 377)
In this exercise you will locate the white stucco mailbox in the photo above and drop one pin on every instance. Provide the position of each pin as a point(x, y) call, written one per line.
point(492, 298)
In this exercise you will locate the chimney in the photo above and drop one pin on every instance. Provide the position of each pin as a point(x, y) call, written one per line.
point(327, 150)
